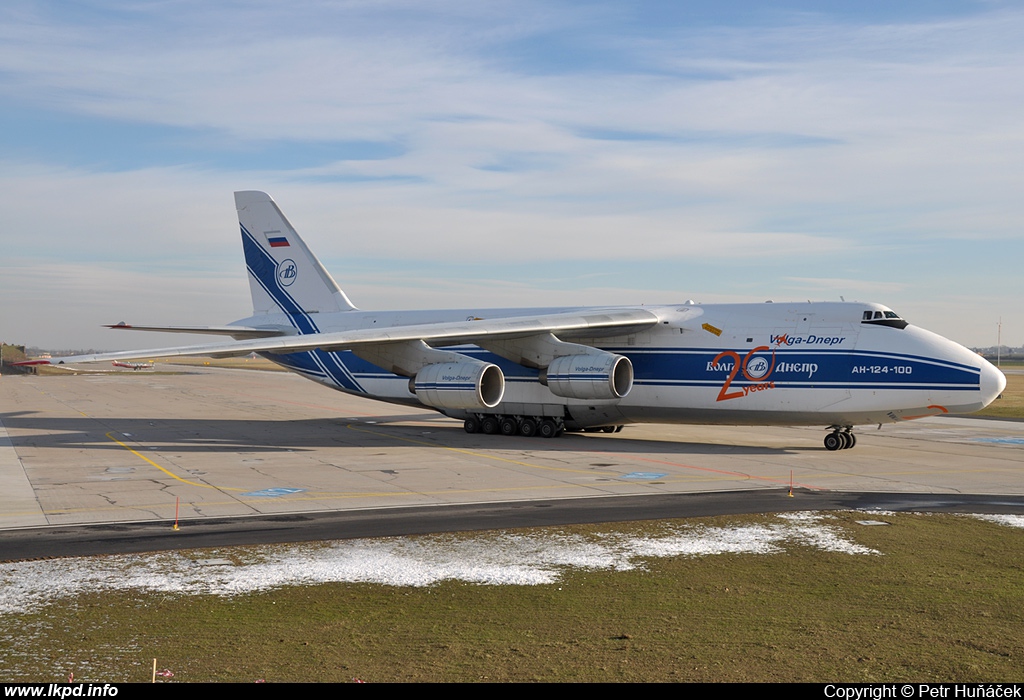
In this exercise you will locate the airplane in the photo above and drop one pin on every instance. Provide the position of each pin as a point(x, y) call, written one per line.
point(132, 365)
point(526, 371)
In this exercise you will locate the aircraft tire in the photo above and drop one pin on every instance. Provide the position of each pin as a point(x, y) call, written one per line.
point(608, 429)
point(489, 425)
point(833, 442)
point(547, 428)
point(508, 426)
point(851, 440)
point(528, 428)
point(472, 425)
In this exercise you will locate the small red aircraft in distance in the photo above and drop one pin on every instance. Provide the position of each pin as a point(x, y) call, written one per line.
point(133, 365)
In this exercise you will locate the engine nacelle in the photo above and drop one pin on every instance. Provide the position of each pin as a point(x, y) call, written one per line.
point(459, 385)
point(597, 375)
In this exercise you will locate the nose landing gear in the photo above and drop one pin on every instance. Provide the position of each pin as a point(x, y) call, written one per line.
point(841, 438)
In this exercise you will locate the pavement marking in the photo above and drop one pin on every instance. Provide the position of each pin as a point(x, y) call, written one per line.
point(169, 473)
point(645, 476)
point(274, 492)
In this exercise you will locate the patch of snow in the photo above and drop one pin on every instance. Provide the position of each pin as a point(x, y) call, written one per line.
point(486, 558)
point(1008, 520)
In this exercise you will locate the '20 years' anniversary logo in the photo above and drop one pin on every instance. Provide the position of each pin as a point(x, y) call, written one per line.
point(757, 369)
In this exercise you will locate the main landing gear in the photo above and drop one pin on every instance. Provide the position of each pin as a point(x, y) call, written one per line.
point(527, 426)
point(841, 438)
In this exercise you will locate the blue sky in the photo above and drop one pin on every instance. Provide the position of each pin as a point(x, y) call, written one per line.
point(453, 154)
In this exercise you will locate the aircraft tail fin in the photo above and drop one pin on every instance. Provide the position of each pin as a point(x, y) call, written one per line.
point(284, 276)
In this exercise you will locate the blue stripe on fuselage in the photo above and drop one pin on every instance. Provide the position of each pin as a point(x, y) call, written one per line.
point(804, 368)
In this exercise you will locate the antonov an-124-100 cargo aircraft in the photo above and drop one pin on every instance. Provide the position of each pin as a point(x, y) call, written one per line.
point(544, 371)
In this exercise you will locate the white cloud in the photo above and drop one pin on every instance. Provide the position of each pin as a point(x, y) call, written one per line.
point(811, 144)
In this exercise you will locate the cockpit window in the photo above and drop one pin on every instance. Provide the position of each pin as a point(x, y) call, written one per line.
point(884, 318)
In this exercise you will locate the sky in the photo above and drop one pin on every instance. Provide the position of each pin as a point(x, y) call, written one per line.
point(458, 154)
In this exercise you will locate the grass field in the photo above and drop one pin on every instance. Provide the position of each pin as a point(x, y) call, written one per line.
point(941, 602)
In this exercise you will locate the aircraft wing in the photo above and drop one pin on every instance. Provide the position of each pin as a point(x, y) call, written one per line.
point(582, 323)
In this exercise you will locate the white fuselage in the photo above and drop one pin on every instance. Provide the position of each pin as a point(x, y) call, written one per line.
point(767, 364)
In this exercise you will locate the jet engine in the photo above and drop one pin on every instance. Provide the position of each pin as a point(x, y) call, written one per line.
point(597, 375)
point(466, 385)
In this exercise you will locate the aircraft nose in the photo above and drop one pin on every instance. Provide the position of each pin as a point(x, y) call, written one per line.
point(992, 382)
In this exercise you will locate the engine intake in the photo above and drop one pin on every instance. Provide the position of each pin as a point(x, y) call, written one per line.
point(600, 375)
point(459, 385)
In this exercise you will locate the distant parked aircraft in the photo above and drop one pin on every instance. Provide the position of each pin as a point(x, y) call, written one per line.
point(133, 365)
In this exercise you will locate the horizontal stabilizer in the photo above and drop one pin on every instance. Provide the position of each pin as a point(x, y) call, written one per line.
point(236, 332)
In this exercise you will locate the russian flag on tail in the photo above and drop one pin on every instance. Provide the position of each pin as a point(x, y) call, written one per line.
point(278, 242)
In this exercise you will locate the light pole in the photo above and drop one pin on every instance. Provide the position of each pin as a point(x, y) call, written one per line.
point(999, 339)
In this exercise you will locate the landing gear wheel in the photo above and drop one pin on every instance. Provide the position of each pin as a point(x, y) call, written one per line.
point(508, 426)
point(608, 429)
point(528, 428)
point(489, 425)
point(853, 440)
point(833, 442)
point(547, 428)
point(472, 425)
point(845, 438)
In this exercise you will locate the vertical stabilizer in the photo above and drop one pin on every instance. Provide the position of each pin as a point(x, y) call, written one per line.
point(284, 276)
